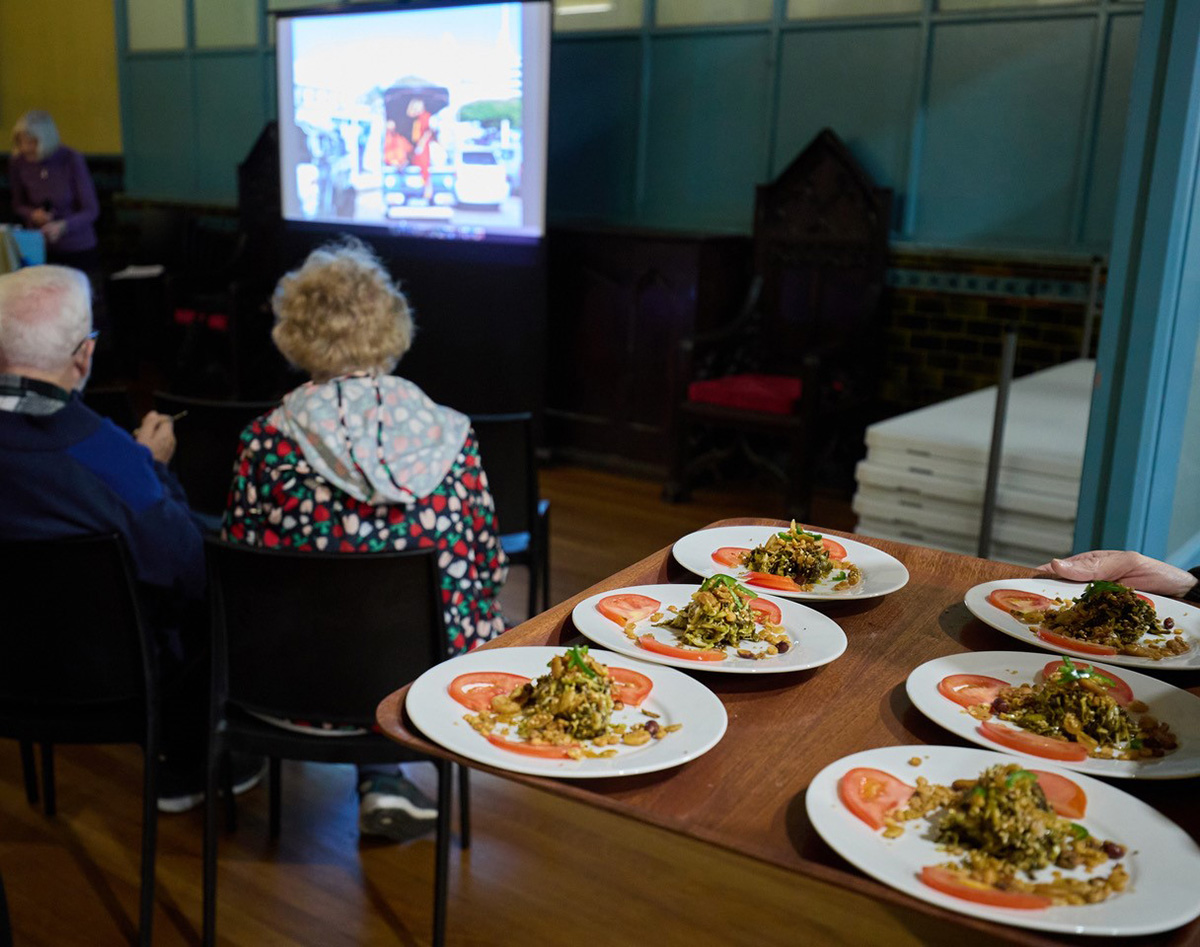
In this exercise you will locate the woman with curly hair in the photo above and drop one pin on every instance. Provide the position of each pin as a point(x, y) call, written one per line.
point(359, 460)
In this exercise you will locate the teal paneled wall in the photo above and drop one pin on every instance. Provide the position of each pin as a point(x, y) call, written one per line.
point(593, 148)
point(1004, 118)
point(1110, 129)
point(227, 123)
point(863, 82)
point(156, 124)
point(1000, 127)
point(707, 135)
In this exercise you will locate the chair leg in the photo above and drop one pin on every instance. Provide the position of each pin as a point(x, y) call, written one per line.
point(50, 802)
point(464, 807)
point(5, 925)
point(275, 795)
point(209, 933)
point(29, 771)
point(533, 583)
point(441, 876)
point(544, 552)
point(149, 842)
point(227, 791)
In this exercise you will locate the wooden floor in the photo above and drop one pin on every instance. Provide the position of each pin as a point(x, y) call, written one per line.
point(540, 870)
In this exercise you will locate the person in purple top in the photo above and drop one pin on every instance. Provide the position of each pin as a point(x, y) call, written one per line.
point(52, 191)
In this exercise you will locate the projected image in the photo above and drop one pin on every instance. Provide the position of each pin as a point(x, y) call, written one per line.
point(414, 120)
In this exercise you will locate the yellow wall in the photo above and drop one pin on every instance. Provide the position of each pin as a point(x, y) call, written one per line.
point(61, 55)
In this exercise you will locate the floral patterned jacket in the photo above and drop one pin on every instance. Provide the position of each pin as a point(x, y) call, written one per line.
point(277, 500)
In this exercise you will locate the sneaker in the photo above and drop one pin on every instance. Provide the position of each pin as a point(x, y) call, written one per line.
point(183, 790)
point(395, 809)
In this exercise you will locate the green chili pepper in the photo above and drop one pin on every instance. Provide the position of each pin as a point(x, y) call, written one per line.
point(1102, 585)
point(978, 790)
point(1073, 672)
point(1135, 744)
point(577, 655)
point(1079, 831)
point(840, 577)
point(1020, 774)
point(726, 580)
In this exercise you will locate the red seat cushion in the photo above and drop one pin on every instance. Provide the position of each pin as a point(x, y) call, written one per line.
point(773, 394)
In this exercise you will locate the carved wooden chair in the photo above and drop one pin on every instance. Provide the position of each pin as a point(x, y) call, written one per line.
point(796, 368)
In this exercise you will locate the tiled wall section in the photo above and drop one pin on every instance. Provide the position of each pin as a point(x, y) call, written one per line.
point(947, 314)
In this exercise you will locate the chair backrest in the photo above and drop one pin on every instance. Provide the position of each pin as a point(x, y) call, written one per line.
point(322, 636)
point(820, 245)
point(506, 450)
point(207, 443)
point(74, 635)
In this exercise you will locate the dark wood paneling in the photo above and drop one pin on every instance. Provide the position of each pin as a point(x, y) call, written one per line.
point(620, 301)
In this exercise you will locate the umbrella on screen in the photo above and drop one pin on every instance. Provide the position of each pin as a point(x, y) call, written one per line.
point(403, 91)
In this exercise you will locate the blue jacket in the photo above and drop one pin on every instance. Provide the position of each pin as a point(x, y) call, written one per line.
point(74, 473)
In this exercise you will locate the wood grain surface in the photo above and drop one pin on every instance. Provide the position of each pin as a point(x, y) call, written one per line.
point(747, 793)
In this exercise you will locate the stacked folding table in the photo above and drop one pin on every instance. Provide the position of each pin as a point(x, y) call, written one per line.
point(924, 475)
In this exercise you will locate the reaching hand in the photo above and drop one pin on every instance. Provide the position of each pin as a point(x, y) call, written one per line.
point(39, 217)
point(53, 230)
point(1128, 568)
point(157, 432)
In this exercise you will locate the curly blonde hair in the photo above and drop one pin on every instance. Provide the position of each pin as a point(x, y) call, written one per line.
point(341, 312)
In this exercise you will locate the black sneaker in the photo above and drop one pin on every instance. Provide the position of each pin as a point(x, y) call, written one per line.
point(183, 790)
point(395, 809)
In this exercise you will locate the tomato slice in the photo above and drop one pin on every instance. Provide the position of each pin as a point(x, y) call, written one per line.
point(1144, 599)
point(627, 607)
point(1070, 644)
point(544, 750)
point(650, 643)
point(971, 689)
point(1033, 743)
point(765, 611)
point(955, 885)
point(871, 794)
point(476, 690)
point(1014, 600)
point(1066, 798)
point(730, 556)
point(630, 687)
point(768, 581)
point(1121, 692)
point(835, 549)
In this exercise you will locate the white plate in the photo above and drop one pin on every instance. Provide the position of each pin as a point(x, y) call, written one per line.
point(881, 573)
point(1163, 860)
point(676, 697)
point(1168, 703)
point(816, 638)
point(1186, 617)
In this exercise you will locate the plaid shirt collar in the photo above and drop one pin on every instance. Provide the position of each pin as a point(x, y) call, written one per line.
point(31, 396)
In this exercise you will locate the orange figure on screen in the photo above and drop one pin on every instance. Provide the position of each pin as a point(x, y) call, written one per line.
point(396, 147)
point(421, 136)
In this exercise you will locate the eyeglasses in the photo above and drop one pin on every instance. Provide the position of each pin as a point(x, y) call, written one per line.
point(91, 335)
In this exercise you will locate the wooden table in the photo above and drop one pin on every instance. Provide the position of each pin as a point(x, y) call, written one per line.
point(747, 793)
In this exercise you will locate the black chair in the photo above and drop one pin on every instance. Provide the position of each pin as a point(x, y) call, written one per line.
point(319, 636)
point(79, 667)
point(506, 448)
point(5, 925)
point(206, 447)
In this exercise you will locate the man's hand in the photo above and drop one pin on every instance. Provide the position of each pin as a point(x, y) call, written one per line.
point(53, 230)
point(157, 431)
point(1128, 568)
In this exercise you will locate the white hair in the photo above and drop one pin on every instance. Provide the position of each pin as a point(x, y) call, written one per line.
point(38, 125)
point(45, 312)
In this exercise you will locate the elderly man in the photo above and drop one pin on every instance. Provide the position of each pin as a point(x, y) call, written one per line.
point(66, 471)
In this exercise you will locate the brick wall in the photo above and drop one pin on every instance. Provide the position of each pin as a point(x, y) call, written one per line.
point(947, 312)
